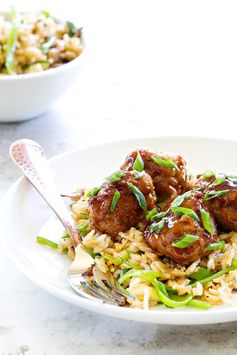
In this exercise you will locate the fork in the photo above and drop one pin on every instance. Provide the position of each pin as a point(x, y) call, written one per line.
point(83, 275)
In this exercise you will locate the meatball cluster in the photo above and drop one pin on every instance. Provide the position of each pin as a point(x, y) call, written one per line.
point(182, 219)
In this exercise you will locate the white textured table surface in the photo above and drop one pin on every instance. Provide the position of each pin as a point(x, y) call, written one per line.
point(151, 68)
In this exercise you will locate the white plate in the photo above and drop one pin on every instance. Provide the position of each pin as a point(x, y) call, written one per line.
point(23, 213)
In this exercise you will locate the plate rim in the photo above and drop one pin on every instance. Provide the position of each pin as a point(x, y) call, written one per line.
point(148, 316)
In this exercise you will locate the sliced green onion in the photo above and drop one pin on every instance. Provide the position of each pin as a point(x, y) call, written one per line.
point(115, 261)
point(208, 174)
point(168, 163)
point(72, 29)
point(163, 289)
point(206, 221)
point(139, 196)
point(172, 301)
point(114, 202)
point(192, 302)
point(91, 252)
point(156, 227)
point(123, 272)
point(138, 163)
point(47, 45)
point(215, 246)
point(185, 241)
point(180, 199)
point(162, 204)
point(219, 180)
point(84, 215)
point(45, 13)
point(93, 191)
point(83, 228)
point(162, 296)
point(151, 214)
point(160, 215)
point(11, 41)
point(212, 277)
point(214, 194)
point(126, 255)
point(217, 274)
point(119, 260)
point(202, 273)
point(199, 304)
point(180, 298)
point(180, 211)
point(115, 176)
point(131, 265)
point(234, 264)
point(65, 236)
point(45, 64)
point(47, 242)
point(170, 290)
point(145, 274)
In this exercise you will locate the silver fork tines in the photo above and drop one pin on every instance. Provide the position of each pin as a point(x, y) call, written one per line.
point(116, 289)
point(108, 292)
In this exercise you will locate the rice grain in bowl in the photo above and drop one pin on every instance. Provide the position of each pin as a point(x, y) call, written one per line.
point(39, 60)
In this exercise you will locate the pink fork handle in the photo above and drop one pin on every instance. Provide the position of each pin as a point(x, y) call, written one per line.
point(30, 158)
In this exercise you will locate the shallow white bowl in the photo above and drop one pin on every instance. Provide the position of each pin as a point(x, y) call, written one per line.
point(26, 96)
point(23, 213)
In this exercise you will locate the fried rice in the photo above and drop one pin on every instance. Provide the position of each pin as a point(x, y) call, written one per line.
point(33, 42)
point(131, 252)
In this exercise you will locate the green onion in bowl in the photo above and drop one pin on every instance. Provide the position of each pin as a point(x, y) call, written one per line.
point(185, 241)
point(11, 42)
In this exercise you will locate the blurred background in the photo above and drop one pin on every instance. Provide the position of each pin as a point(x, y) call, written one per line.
point(153, 62)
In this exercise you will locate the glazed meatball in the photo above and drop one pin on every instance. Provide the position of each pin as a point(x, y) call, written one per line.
point(176, 226)
point(201, 182)
point(128, 211)
point(168, 172)
point(224, 206)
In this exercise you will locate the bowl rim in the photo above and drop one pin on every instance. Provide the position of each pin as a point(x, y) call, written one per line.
point(48, 72)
